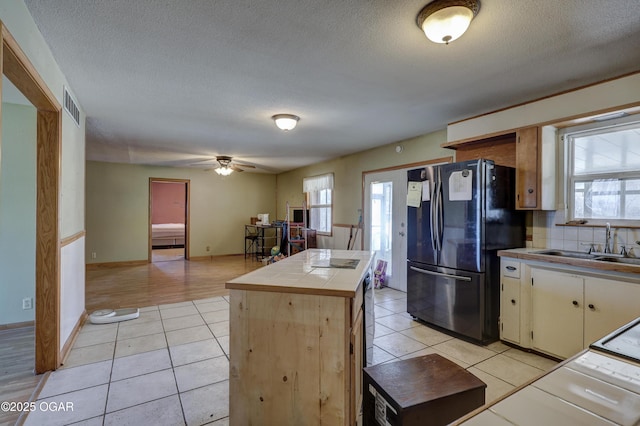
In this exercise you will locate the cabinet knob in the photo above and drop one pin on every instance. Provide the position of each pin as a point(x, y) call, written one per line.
point(511, 268)
point(575, 303)
point(513, 302)
point(591, 306)
point(530, 190)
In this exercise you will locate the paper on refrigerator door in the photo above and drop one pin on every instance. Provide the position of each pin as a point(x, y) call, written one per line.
point(426, 191)
point(460, 188)
point(414, 194)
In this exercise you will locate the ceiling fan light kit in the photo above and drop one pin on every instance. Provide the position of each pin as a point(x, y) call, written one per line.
point(444, 21)
point(226, 165)
point(224, 169)
point(286, 122)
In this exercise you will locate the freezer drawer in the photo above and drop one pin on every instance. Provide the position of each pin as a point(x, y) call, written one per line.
point(448, 298)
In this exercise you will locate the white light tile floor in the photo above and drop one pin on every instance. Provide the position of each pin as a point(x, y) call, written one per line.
point(171, 365)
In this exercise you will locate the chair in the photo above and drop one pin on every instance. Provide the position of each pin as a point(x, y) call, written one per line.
point(250, 240)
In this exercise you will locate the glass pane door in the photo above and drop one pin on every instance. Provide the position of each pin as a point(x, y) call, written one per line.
point(381, 222)
point(385, 220)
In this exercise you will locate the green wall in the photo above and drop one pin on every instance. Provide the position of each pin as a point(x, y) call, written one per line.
point(348, 170)
point(117, 209)
point(17, 212)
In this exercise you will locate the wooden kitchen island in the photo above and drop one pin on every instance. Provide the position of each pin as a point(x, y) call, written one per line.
point(296, 345)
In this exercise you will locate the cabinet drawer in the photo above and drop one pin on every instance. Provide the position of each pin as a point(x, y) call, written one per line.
point(510, 268)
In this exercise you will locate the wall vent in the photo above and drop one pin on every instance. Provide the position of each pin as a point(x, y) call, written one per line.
point(71, 107)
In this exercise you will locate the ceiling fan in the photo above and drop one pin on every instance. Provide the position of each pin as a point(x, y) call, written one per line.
point(226, 166)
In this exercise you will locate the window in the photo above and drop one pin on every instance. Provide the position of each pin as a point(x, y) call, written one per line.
point(319, 190)
point(604, 172)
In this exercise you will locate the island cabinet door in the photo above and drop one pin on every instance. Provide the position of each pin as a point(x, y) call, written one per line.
point(289, 359)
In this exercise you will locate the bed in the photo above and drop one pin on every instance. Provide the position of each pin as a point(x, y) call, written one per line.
point(165, 235)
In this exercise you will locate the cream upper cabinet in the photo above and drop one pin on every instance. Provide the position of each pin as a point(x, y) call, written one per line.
point(557, 312)
point(536, 168)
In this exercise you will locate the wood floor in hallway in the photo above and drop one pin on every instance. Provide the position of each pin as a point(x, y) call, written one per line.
point(17, 361)
point(162, 282)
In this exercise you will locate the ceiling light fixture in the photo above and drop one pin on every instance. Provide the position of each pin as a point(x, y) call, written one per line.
point(224, 169)
point(446, 20)
point(286, 122)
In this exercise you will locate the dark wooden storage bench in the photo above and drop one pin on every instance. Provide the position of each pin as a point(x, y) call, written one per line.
point(418, 391)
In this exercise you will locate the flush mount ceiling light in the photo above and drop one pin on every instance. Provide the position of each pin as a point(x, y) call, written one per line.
point(224, 169)
point(286, 121)
point(446, 20)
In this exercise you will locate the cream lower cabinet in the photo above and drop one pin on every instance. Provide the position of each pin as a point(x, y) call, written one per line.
point(510, 301)
point(608, 305)
point(556, 312)
point(571, 311)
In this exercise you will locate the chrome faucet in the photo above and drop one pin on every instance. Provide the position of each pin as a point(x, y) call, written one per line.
point(607, 242)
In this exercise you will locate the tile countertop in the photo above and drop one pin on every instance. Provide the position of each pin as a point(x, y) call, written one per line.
point(600, 385)
point(530, 254)
point(308, 272)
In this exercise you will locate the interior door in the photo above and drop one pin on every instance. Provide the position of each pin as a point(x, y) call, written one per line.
point(385, 216)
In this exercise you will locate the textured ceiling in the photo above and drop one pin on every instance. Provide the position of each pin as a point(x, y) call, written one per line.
point(172, 82)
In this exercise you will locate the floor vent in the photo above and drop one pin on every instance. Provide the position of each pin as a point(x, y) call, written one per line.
point(71, 107)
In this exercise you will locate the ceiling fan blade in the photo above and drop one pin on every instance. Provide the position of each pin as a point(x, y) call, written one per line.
point(235, 168)
point(246, 166)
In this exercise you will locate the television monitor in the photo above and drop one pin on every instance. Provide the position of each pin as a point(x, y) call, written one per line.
point(298, 216)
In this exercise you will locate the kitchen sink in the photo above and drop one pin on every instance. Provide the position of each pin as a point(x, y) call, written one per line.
point(567, 253)
point(625, 260)
point(592, 256)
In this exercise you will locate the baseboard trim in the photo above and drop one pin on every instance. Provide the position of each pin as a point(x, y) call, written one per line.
point(210, 258)
point(34, 397)
point(17, 325)
point(66, 349)
point(92, 266)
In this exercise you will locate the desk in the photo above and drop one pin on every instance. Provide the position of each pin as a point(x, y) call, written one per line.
point(264, 239)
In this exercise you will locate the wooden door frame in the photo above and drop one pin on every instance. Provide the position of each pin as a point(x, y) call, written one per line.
point(187, 213)
point(15, 65)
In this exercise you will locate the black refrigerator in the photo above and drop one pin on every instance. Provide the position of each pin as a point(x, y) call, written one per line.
point(463, 214)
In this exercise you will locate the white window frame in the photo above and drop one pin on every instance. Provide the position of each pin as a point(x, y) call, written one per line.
point(568, 135)
point(312, 185)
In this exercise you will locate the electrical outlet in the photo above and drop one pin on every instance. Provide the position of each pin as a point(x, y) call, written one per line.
point(93, 255)
point(27, 303)
point(208, 248)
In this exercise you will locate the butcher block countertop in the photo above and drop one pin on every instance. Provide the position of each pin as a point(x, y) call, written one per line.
point(530, 254)
point(314, 271)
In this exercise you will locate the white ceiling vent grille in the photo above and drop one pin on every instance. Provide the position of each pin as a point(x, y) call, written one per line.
point(71, 107)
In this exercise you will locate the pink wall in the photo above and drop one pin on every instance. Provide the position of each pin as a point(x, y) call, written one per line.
point(169, 202)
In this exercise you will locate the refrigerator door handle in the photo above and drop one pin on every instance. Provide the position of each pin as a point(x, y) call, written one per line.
point(440, 274)
point(432, 219)
point(440, 216)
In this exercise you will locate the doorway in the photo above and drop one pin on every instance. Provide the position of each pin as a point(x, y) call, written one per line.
point(386, 218)
point(17, 248)
point(168, 219)
point(19, 70)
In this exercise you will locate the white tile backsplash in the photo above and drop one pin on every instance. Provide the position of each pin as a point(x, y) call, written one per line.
point(585, 234)
point(546, 234)
point(570, 233)
point(570, 245)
